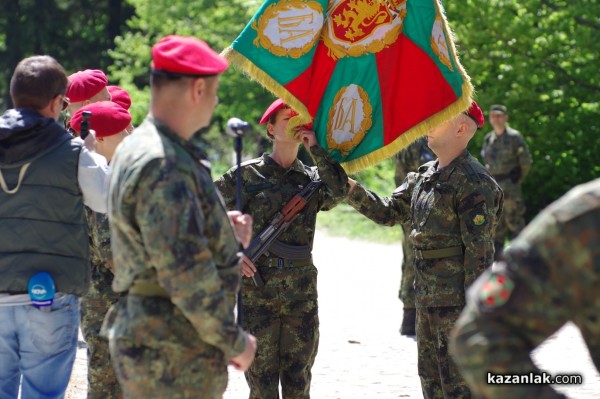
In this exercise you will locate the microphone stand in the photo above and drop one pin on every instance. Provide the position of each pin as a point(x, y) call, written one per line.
point(236, 128)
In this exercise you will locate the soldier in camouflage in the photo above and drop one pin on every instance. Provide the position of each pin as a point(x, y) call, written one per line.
point(409, 160)
point(453, 205)
point(283, 314)
point(109, 123)
point(507, 158)
point(175, 248)
point(550, 275)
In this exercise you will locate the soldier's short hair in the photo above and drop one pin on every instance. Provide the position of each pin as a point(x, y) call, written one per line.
point(36, 81)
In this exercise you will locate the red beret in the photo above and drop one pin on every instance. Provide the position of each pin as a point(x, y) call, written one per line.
point(108, 118)
point(474, 112)
point(186, 55)
point(84, 85)
point(119, 96)
point(273, 108)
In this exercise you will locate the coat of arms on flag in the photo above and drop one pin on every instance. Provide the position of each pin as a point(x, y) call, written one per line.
point(371, 76)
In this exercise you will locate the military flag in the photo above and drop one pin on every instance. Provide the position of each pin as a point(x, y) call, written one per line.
point(370, 75)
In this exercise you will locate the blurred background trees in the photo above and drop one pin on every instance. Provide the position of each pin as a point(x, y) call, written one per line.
point(538, 57)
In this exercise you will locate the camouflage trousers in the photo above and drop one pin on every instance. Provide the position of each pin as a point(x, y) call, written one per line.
point(102, 381)
point(407, 280)
point(157, 353)
point(512, 220)
point(440, 377)
point(283, 316)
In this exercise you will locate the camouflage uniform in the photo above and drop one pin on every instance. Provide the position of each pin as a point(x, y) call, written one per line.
point(102, 381)
point(508, 160)
point(550, 275)
point(176, 254)
point(283, 314)
point(409, 160)
point(453, 212)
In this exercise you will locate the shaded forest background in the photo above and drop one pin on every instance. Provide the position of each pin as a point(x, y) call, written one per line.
point(538, 57)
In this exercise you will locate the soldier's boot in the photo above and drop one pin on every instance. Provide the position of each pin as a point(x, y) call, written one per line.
point(409, 319)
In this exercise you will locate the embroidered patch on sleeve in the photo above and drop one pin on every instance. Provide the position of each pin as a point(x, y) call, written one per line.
point(478, 220)
point(496, 291)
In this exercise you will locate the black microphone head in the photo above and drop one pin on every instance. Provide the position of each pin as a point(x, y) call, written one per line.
point(237, 127)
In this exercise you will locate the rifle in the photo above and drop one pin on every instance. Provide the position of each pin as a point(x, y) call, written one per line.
point(278, 224)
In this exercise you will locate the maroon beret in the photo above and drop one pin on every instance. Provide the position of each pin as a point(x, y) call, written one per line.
point(119, 96)
point(273, 108)
point(187, 56)
point(474, 112)
point(108, 118)
point(84, 85)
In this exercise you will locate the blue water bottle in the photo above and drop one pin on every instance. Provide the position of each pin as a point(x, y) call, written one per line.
point(41, 290)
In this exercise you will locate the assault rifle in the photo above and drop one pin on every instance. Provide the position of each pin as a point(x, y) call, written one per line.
point(278, 224)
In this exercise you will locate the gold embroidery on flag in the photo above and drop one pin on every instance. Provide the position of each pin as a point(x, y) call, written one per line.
point(439, 43)
point(289, 27)
point(349, 118)
point(357, 27)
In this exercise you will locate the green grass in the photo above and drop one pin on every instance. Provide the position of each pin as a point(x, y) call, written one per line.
point(344, 221)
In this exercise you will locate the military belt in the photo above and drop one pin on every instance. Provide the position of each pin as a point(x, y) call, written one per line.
point(145, 288)
point(422, 254)
point(273, 261)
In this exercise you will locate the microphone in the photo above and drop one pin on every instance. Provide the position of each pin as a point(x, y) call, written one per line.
point(237, 127)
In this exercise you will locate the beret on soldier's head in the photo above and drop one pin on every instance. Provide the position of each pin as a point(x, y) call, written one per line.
point(119, 96)
point(186, 56)
point(108, 118)
point(499, 108)
point(273, 108)
point(84, 85)
point(475, 113)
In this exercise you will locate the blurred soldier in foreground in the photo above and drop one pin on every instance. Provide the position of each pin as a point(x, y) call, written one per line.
point(109, 122)
point(550, 275)
point(507, 158)
point(175, 248)
point(409, 160)
point(453, 205)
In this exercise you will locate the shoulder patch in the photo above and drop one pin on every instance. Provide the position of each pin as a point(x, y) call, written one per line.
point(495, 291)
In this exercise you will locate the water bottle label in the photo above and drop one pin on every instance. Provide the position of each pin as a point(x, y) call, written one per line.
point(41, 289)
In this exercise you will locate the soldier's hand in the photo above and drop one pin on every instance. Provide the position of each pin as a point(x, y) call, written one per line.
point(307, 137)
point(352, 184)
point(243, 226)
point(90, 141)
point(243, 361)
point(248, 268)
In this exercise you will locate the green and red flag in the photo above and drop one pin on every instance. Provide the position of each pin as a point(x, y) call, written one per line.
point(371, 76)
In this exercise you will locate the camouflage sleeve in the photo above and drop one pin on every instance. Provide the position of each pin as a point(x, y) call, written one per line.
point(386, 211)
point(172, 226)
point(479, 204)
point(524, 157)
point(513, 308)
point(226, 186)
point(332, 175)
point(101, 239)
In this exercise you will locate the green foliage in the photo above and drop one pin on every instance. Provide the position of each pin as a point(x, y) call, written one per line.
point(214, 23)
point(540, 59)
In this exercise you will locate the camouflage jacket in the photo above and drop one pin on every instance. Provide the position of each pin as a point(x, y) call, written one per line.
point(267, 187)
point(410, 158)
point(169, 226)
point(458, 205)
point(550, 275)
point(100, 252)
point(507, 156)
